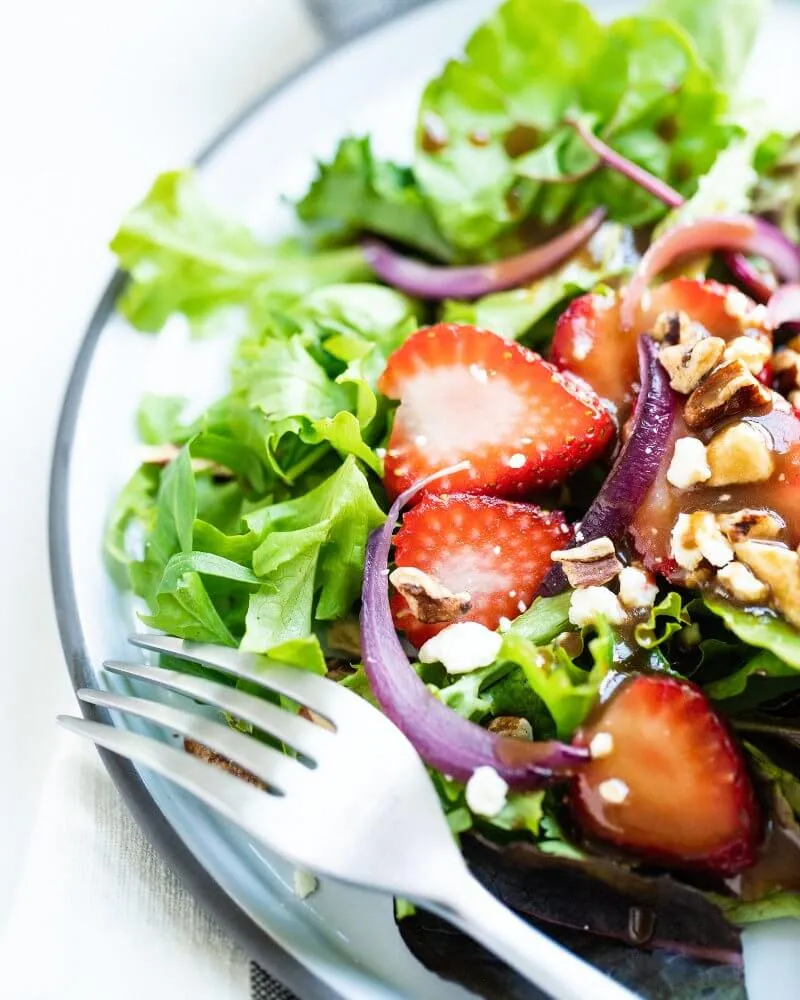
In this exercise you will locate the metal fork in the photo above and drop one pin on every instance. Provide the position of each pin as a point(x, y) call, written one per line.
point(384, 827)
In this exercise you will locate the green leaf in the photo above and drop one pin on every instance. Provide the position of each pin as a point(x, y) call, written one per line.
point(567, 691)
point(522, 811)
point(724, 31)
point(343, 433)
point(777, 195)
point(305, 654)
point(763, 665)
point(311, 545)
point(158, 418)
point(774, 907)
point(206, 564)
point(762, 629)
point(136, 504)
point(484, 120)
point(512, 314)
point(546, 618)
point(188, 612)
point(665, 619)
point(356, 192)
point(184, 257)
point(283, 380)
point(237, 548)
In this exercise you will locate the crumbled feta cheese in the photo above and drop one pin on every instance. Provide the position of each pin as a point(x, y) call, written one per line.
point(683, 545)
point(614, 791)
point(486, 792)
point(637, 588)
point(742, 583)
point(462, 647)
point(587, 604)
point(712, 543)
point(751, 351)
point(601, 745)
point(504, 624)
point(303, 883)
point(689, 464)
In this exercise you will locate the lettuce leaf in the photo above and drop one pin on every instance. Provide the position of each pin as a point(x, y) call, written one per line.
point(356, 192)
point(724, 31)
point(184, 257)
point(310, 557)
point(639, 81)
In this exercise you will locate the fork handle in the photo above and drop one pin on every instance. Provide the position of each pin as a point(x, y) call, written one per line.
point(556, 971)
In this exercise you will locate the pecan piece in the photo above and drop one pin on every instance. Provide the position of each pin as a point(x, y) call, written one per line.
point(687, 364)
point(513, 726)
point(786, 370)
point(779, 567)
point(676, 328)
point(730, 391)
point(428, 600)
point(590, 564)
point(225, 763)
point(739, 454)
point(750, 523)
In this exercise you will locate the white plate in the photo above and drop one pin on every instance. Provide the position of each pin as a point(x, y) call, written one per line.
point(345, 938)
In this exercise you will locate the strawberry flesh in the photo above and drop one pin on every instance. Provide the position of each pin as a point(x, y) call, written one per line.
point(470, 395)
point(495, 550)
point(674, 788)
point(589, 339)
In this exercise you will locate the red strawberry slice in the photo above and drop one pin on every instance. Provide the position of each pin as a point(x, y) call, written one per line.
point(668, 781)
point(468, 394)
point(590, 342)
point(495, 550)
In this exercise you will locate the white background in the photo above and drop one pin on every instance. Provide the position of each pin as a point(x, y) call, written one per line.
point(96, 97)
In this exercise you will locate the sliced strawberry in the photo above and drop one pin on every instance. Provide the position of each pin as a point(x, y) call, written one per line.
point(590, 342)
point(496, 551)
point(468, 394)
point(670, 784)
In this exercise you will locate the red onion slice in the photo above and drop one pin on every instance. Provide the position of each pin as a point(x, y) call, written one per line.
point(431, 281)
point(784, 306)
point(637, 464)
point(443, 739)
point(740, 233)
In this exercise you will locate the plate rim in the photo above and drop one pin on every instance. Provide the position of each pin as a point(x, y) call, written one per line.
point(245, 932)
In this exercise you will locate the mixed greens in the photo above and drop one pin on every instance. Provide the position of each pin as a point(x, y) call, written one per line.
point(249, 525)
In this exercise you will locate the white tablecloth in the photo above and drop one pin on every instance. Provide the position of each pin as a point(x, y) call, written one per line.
point(96, 96)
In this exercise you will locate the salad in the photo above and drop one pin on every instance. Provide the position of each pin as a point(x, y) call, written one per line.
point(512, 449)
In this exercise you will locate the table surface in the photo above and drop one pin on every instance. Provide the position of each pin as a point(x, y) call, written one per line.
point(96, 97)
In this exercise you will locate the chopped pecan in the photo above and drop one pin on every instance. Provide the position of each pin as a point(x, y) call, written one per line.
point(779, 567)
point(225, 763)
point(742, 583)
point(428, 600)
point(786, 370)
point(750, 523)
point(590, 564)
point(676, 328)
point(688, 363)
point(740, 453)
point(511, 725)
point(753, 351)
point(730, 391)
point(317, 719)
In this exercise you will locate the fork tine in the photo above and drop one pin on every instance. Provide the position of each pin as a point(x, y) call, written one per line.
point(249, 807)
point(304, 736)
point(299, 685)
point(271, 766)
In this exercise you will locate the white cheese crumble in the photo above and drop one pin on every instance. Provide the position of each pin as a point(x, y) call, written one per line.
point(303, 883)
point(614, 791)
point(714, 546)
point(683, 546)
point(601, 745)
point(587, 604)
point(504, 624)
point(462, 647)
point(486, 791)
point(689, 464)
point(637, 589)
